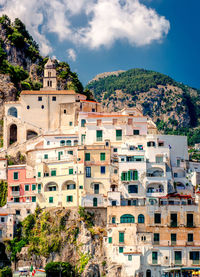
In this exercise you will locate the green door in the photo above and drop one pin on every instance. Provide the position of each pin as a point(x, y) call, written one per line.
point(59, 155)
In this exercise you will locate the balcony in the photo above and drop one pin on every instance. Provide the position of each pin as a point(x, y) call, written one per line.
point(173, 225)
point(15, 193)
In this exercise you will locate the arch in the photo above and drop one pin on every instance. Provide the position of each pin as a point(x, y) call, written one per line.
point(148, 273)
point(141, 218)
point(83, 122)
point(95, 202)
point(127, 218)
point(51, 186)
point(31, 134)
point(12, 111)
point(62, 142)
point(68, 185)
point(153, 188)
point(75, 142)
point(13, 133)
point(68, 142)
point(113, 187)
point(155, 172)
point(179, 185)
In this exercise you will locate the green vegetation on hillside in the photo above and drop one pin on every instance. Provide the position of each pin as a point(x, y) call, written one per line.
point(3, 193)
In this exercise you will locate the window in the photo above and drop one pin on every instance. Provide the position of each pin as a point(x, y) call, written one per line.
point(16, 199)
point(132, 189)
point(70, 123)
point(26, 187)
point(28, 107)
point(154, 257)
point(17, 212)
point(178, 257)
point(99, 135)
point(110, 240)
point(121, 249)
point(70, 152)
point(2, 219)
point(127, 218)
point(130, 121)
point(157, 218)
point(75, 142)
point(190, 237)
point(69, 198)
point(115, 171)
point(175, 174)
point(33, 187)
point(156, 238)
point(102, 156)
point(190, 220)
point(121, 237)
point(124, 176)
point(96, 188)
point(39, 174)
point(113, 219)
point(161, 143)
point(103, 169)
point(53, 172)
point(83, 122)
point(82, 139)
point(93, 110)
point(118, 134)
point(178, 162)
point(68, 143)
point(15, 175)
point(33, 198)
point(53, 98)
point(129, 257)
point(173, 220)
point(65, 111)
point(80, 187)
point(136, 132)
point(159, 159)
point(114, 203)
point(95, 202)
point(42, 107)
point(48, 142)
point(39, 187)
point(115, 150)
point(50, 199)
point(62, 143)
point(71, 171)
point(45, 156)
point(87, 156)
point(39, 98)
point(1, 233)
point(151, 144)
point(88, 171)
point(132, 175)
point(71, 186)
point(141, 218)
point(194, 256)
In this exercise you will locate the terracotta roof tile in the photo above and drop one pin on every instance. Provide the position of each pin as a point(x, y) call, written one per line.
point(48, 92)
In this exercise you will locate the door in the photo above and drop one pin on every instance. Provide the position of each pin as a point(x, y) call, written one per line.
point(95, 202)
point(148, 273)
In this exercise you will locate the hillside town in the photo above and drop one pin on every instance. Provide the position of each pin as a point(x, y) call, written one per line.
point(76, 154)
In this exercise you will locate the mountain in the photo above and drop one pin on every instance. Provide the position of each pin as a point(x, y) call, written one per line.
point(174, 106)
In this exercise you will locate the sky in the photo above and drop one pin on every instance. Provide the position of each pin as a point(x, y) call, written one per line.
point(96, 36)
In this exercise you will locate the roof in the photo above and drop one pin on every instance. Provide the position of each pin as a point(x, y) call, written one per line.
point(48, 92)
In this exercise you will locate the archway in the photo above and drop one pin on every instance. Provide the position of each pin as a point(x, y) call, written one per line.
point(13, 133)
point(31, 134)
point(51, 186)
point(12, 111)
point(148, 273)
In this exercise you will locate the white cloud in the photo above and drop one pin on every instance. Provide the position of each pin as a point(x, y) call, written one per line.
point(107, 21)
point(71, 54)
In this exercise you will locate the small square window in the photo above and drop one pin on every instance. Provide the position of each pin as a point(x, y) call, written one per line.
point(129, 257)
point(53, 173)
point(121, 249)
point(45, 156)
point(70, 123)
point(87, 156)
point(71, 171)
point(42, 107)
point(26, 187)
point(136, 132)
point(115, 171)
point(93, 110)
point(80, 187)
point(48, 142)
point(28, 107)
point(3, 219)
point(17, 212)
point(39, 98)
point(115, 150)
point(15, 176)
point(69, 198)
point(53, 98)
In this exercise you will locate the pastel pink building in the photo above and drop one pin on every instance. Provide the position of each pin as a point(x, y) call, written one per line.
point(21, 184)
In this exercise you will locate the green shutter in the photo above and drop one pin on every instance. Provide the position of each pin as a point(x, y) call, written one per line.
point(71, 171)
point(87, 156)
point(26, 187)
point(50, 199)
point(99, 135)
point(121, 237)
point(53, 173)
point(129, 175)
point(33, 187)
point(118, 134)
point(102, 156)
point(33, 198)
point(110, 240)
point(135, 175)
point(39, 174)
point(15, 176)
point(121, 249)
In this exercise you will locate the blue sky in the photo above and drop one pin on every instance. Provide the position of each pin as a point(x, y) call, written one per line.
point(96, 36)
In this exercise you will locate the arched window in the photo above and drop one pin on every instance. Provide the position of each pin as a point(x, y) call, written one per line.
point(127, 218)
point(83, 121)
point(68, 143)
point(140, 218)
point(12, 111)
point(62, 143)
point(75, 142)
point(95, 202)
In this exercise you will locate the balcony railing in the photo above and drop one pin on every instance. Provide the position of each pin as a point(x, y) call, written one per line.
point(154, 261)
point(173, 224)
point(15, 193)
point(178, 262)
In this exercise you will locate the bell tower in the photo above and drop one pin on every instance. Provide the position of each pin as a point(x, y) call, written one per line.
point(49, 80)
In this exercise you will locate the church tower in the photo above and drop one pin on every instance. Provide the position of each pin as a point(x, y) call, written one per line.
point(49, 80)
